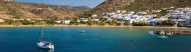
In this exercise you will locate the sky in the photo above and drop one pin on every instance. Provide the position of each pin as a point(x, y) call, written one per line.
point(89, 3)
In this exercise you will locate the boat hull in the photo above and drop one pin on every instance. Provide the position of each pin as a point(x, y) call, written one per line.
point(41, 45)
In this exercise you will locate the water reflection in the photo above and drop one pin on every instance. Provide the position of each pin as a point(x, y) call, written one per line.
point(51, 50)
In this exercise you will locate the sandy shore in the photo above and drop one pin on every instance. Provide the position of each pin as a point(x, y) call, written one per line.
point(90, 26)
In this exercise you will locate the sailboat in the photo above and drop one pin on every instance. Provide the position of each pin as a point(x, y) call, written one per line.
point(44, 44)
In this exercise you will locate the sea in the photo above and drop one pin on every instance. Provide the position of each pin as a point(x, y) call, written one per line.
point(96, 39)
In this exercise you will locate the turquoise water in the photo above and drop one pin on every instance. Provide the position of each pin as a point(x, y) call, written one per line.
point(96, 39)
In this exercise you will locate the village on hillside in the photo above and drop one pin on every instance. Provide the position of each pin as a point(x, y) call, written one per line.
point(179, 17)
point(175, 17)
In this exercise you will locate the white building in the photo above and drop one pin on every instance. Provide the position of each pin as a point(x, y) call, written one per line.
point(123, 11)
point(95, 19)
point(58, 21)
point(94, 15)
point(78, 21)
point(132, 21)
point(141, 13)
point(118, 11)
point(85, 20)
point(28, 19)
point(1, 20)
point(33, 21)
point(171, 7)
point(66, 21)
point(158, 11)
point(104, 14)
point(131, 12)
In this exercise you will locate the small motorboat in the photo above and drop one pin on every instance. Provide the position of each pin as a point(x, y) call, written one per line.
point(82, 31)
point(169, 34)
point(151, 33)
point(162, 37)
point(162, 33)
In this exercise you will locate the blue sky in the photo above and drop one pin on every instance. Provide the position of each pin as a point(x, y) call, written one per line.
point(89, 3)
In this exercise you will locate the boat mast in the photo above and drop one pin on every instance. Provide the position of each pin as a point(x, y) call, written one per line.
point(42, 25)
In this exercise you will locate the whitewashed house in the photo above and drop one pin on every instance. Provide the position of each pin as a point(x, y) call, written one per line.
point(105, 17)
point(171, 7)
point(85, 20)
point(118, 11)
point(132, 21)
point(147, 11)
point(33, 21)
point(109, 19)
point(96, 20)
point(28, 19)
point(94, 15)
point(158, 11)
point(113, 13)
point(131, 12)
point(165, 8)
point(123, 11)
point(153, 10)
point(58, 21)
point(141, 13)
point(78, 21)
point(66, 21)
point(82, 18)
point(169, 10)
point(188, 21)
point(152, 22)
point(1, 20)
point(104, 14)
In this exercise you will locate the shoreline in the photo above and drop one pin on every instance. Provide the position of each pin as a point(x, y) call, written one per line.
point(87, 26)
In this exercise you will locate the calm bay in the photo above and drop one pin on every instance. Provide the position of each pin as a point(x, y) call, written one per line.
point(96, 39)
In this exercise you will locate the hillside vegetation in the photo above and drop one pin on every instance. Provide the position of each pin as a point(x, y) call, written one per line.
point(135, 5)
point(18, 10)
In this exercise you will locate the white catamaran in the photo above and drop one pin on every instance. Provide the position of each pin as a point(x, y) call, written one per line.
point(44, 44)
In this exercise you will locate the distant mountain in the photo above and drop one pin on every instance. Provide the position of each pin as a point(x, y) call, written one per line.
point(135, 5)
point(13, 9)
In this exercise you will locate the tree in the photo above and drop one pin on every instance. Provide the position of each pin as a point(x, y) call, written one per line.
point(102, 23)
point(90, 22)
point(168, 22)
point(110, 23)
point(9, 21)
point(159, 23)
point(28, 23)
point(140, 24)
point(95, 22)
point(114, 20)
point(179, 25)
point(171, 22)
point(84, 22)
point(127, 23)
point(50, 22)
point(73, 22)
point(118, 24)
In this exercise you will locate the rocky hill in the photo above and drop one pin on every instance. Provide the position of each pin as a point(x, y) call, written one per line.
point(135, 5)
point(18, 10)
